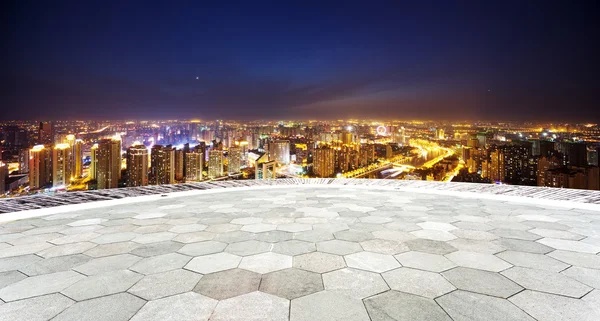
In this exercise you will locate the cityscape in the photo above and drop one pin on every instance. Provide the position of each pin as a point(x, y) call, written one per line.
point(58, 156)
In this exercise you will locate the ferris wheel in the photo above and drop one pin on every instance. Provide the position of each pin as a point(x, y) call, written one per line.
point(381, 130)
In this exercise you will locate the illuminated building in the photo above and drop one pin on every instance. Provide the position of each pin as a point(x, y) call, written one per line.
point(545, 164)
point(24, 161)
point(215, 164)
point(162, 165)
point(3, 177)
point(179, 164)
point(234, 160)
point(497, 166)
point(137, 165)
point(389, 153)
point(473, 142)
point(194, 165)
point(108, 163)
point(347, 138)
point(279, 151)
point(576, 154)
point(243, 145)
point(565, 178)
point(77, 156)
point(40, 167)
point(482, 138)
point(324, 162)
point(439, 133)
point(61, 165)
point(94, 162)
point(46, 134)
point(367, 154)
point(541, 148)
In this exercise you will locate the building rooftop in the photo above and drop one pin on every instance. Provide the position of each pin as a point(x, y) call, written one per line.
point(322, 249)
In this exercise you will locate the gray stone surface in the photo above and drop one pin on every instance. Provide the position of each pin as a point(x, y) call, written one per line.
point(466, 306)
point(188, 306)
point(116, 307)
point(160, 285)
point(292, 238)
point(253, 306)
point(393, 305)
point(291, 283)
point(328, 305)
point(422, 283)
point(425, 261)
point(354, 283)
point(483, 282)
point(40, 308)
point(319, 262)
point(39, 285)
point(160, 263)
point(227, 284)
point(548, 307)
point(544, 281)
point(102, 284)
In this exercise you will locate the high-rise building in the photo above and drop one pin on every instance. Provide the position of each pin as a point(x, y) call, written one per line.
point(243, 145)
point(234, 160)
point(215, 164)
point(194, 165)
point(40, 167)
point(179, 164)
point(137, 166)
point(24, 161)
point(324, 162)
point(497, 166)
point(108, 163)
point(576, 154)
point(61, 165)
point(46, 133)
point(482, 139)
point(78, 158)
point(440, 134)
point(347, 138)
point(545, 164)
point(93, 174)
point(162, 165)
point(279, 151)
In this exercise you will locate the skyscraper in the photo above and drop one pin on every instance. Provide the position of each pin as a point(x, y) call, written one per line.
point(497, 166)
point(194, 164)
point(77, 156)
point(162, 165)
point(576, 154)
point(234, 159)
point(61, 165)
point(40, 167)
point(46, 133)
point(3, 177)
point(279, 151)
point(108, 163)
point(24, 161)
point(137, 166)
point(179, 164)
point(215, 164)
point(324, 162)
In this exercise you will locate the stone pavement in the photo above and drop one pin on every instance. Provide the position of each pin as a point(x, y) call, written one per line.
point(304, 253)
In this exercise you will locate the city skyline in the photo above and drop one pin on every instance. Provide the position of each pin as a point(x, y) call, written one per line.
point(472, 60)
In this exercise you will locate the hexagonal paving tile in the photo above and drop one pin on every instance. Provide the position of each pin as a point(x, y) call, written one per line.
point(424, 261)
point(274, 236)
point(187, 306)
point(467, 306)
point(393, 305)
point(39, 285)
point(227, 284)
point(545, 281)
point(160, 263)
point(252, 306)
point(38, 308)
point(291, 283)
point(484, 282)
point(117, 307)
point(294, 247)
point(355, 283)
point(213, 263)
point(294, 227)
point(353, 235)
point(533, 260)
point(544, 306)
point(246, 248)
point(160, 285)
point(327, 305)
point(55, 264)
point(259, 227)
point(202, 248)
point(108, 263)
point(102, 284)
point(384, 246)
point(338, 247)
point(154, 249)
point(423, 283)
point(319, 262)
point(430, 246)
point(479, 261)
point(375, 262)
point(266, 262)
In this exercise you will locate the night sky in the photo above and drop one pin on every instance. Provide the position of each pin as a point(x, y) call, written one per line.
point(521, 60)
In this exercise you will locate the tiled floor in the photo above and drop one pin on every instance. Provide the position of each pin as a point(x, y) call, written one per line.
point(304, 253)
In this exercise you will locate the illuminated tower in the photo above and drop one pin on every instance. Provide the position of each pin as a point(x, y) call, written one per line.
point(324, 162)
point(243, 144)
point(94, 163)
point(46, 135)
point(234, 158)
point(108, 163)
point(61, 165)
point(137, 166)
point(24, 161)
point(194, 164)
point(77, 158)
point(497, 169)
point(347, 138)
point(279, 151)
point(179, 164)
point(40, 167)
point(3, 176)
point(215, 164)
point(162, 165)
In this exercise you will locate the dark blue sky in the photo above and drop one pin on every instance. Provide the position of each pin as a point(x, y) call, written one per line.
point(521, 60)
